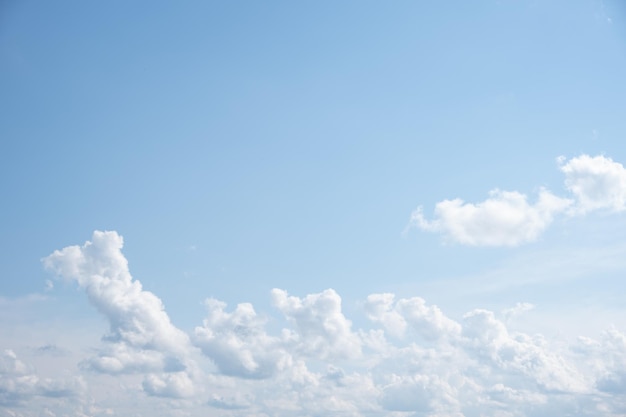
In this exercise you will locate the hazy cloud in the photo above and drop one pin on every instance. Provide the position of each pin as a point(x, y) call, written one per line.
point(19, 383)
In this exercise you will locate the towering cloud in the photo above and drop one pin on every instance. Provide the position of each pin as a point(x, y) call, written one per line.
point(142, 337)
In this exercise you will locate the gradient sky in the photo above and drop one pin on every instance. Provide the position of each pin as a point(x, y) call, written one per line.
point(347, 208)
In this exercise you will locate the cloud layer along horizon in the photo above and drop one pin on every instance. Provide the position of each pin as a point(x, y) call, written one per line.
point(410, 360)
point(507, 218)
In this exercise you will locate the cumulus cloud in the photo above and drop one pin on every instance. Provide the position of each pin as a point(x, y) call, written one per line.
point(321, 329)
point(508, 218)
point(142, 337)
point(19, 382)
point(519, 357)
point(238, 343)
point(426, 321)
point(380, 308)
point(172, 385)
point(596, 182)
point(606, 359)
point(410, 358)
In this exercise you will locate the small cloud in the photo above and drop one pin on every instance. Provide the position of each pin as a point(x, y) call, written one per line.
point(507, 218)
point(50, 350)
point(172, 385)
point(596, 182)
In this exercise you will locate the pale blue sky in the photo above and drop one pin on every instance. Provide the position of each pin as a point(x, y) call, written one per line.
point(243, 146)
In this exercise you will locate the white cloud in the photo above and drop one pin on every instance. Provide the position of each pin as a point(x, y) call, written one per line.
point(520, 356)
point(379, 308)
point(507, 218)
point(234, 402)
point(428, 322)
point(322, 330)
point(19, 382)
point(517, 310)
point(606, 359)
point(596, 182)
point(425, 394)
point(238, 343)
point(415, 359)
point(173, 385)
point(504, 219)
point(142, 337)
point(137, 317)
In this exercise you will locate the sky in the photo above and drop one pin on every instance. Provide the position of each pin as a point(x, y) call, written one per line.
point(355, 208)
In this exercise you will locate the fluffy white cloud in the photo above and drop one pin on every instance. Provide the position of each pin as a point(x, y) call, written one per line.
point(238, 343)
point(606, 359)
point(322, 330)
point(507, 218)
point(519, 357)
point(415, 360)
point(596, 182)
point(173, 385)
point(142, 337)
point(379, 308)
point(137, 317)
point(428, 322)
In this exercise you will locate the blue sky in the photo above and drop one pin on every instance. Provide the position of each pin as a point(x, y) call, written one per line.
point(470, 155)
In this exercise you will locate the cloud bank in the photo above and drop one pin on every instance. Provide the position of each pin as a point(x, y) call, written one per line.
point(507, 218)
point(410, 360)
